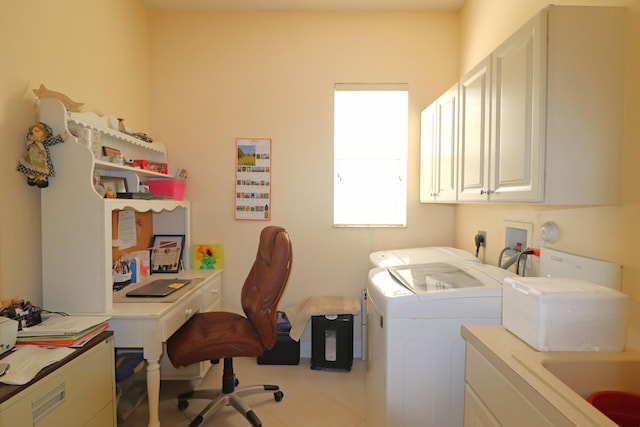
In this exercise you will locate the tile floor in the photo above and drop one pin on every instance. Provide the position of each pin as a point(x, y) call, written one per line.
point(311, 397)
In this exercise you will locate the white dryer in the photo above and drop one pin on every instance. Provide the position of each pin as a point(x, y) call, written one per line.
point(415, 364)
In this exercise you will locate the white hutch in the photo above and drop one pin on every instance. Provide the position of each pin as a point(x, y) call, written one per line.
point(77, 242)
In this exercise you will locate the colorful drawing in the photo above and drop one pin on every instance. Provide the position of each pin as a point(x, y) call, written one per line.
point(207, 257)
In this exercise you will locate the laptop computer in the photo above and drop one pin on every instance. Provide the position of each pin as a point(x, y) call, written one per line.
point(158, 288)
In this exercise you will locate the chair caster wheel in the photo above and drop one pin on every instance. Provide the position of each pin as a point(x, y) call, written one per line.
point(278, 395)
point(183, 404)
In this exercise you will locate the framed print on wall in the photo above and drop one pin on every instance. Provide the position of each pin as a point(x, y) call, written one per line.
point(253, 179)
point(166, 253)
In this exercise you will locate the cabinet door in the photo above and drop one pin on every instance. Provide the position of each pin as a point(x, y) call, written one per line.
point(439, 137)
point(427, 154)
point(519, 89)
point(446, 145)
point(473, 137)
point(476, 414)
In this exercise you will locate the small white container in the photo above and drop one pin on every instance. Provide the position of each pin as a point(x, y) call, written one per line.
point(561, 314)
point(89, 138)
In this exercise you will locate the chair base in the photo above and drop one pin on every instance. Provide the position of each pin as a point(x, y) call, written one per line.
point(229, 395)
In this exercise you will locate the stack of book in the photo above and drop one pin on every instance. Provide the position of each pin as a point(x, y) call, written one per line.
point(63, 331)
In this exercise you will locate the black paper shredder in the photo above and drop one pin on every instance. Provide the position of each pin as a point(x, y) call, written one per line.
point(332, 342)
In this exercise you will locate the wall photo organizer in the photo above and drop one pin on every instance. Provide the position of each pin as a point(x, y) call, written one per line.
point(253, 179)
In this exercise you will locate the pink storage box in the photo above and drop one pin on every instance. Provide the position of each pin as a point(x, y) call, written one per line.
point(167, 187)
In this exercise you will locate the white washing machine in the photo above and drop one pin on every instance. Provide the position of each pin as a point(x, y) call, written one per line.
point(415, 363)
point(389, 258)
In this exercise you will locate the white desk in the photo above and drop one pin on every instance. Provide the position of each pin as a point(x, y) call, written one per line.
point(147, 325)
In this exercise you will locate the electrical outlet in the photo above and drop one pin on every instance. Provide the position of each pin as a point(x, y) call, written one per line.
point(484, 238)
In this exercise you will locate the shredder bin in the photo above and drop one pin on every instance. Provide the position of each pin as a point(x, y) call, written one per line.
point(332, 342)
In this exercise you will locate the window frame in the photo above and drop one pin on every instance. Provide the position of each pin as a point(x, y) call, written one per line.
point(398, 160)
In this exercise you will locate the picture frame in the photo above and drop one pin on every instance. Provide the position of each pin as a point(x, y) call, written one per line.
point(165, 252)
point(110, 152)
point(116, 184)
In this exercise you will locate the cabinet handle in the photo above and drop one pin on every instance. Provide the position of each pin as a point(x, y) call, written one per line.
point(48, 402)
point(483, 191)
point(187, 313)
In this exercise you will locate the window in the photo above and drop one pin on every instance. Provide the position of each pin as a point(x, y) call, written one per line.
point(370, 154)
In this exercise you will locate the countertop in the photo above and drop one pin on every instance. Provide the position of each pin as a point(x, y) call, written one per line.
point(523, 366)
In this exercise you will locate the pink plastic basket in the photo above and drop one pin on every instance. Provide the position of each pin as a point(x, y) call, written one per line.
point(167, 187)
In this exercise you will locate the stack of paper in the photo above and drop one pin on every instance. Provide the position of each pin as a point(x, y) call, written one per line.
point(27, 361)
point(67, 331)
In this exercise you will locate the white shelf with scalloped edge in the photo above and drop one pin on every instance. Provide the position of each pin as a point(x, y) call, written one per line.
point(77, 227)
point(102, 124)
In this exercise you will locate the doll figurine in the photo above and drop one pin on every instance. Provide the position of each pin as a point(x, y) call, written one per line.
point(36, 163)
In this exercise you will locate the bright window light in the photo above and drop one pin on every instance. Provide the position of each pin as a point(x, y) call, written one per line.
point(370, 154)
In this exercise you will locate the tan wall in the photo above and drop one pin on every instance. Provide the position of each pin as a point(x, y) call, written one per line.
point(609, 233)
point(95, 52)
point(218, 76)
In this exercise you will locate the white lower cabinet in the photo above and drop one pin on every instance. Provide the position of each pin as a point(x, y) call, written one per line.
point(79, 393)
point(475, 413)
point(493, 400)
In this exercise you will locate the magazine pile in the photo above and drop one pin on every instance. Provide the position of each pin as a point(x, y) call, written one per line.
point(63, 331)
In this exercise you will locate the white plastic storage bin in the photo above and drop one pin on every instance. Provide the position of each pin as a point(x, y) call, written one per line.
point(561, 314)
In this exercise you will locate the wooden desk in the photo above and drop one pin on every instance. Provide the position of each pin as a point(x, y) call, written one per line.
point(79, 390)
point(148, 324)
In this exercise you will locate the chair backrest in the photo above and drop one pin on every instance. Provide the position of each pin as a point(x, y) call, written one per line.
point(266, 283)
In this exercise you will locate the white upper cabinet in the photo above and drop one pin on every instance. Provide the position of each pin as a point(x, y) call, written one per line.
point(427, 154)
point(438, 149)
point(541, 119)
point(473, 138)
point(517, 140)
point(584, 105)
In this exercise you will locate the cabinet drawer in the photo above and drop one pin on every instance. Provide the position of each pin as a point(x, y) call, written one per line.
point(503, 400)
point(180, 314)
point(475, 413)
point(212, 294)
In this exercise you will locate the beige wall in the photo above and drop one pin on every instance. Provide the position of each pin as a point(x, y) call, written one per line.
point(207, 78)
point(608, 233)
point(96, 53)
point(218, 76)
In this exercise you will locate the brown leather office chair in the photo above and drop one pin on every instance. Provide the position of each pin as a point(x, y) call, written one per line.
point(225, 335)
